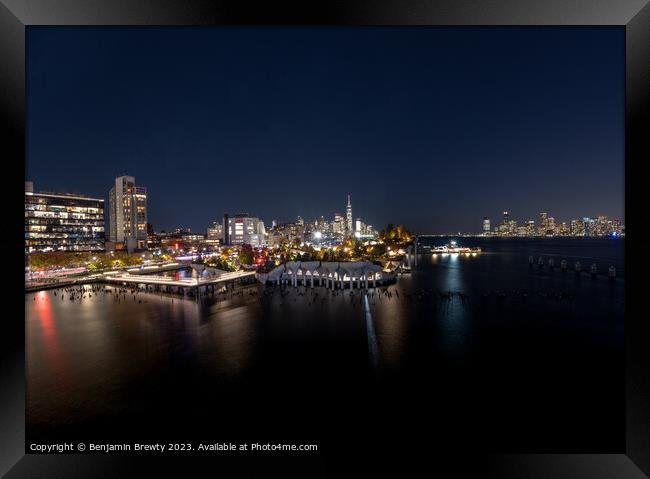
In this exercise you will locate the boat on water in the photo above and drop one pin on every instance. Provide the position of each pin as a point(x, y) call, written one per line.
point(453, 248)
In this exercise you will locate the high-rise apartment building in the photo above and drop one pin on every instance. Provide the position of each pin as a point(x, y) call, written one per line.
point(128, 214)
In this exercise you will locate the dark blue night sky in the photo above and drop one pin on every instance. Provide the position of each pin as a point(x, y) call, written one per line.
point(431, 127)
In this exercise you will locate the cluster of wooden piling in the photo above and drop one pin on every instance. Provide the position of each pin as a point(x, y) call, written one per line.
point(577, 267)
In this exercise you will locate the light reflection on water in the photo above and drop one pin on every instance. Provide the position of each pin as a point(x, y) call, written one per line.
point(77, 349)
point(99, 356)
point(454, 321)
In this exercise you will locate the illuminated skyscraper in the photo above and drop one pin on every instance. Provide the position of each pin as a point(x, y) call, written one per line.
point(360, 227)
point(338, 226)
point(348, 217)
point(543, 223)
point(486, 225)
point(550, 226)
point(128, 213)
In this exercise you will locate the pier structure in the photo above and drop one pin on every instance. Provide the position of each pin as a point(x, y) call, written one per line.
point(168, 284)
point(331, 274)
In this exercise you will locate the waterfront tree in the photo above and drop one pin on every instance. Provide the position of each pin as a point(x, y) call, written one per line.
point(246, 255)
point(395, 235)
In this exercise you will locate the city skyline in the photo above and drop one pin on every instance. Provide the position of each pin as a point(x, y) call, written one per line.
point(428, 127)
point(548, 225)
point(336, 224)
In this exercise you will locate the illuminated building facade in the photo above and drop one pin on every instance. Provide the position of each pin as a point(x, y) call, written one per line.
point(563, 229)
point(360, 227)
point(577, 228)
point(128, 214)
point(550, 226)
point(486, 225)
point(215, 232)
point(62, 222)
point(244, 229)
point(508, 226)
point(543, 223)
point(530, 228)
point(338, 226)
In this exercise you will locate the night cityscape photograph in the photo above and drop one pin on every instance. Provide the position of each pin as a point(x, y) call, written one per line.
point(312, 239)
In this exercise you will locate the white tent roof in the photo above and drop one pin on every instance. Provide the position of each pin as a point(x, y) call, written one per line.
point(328, 267)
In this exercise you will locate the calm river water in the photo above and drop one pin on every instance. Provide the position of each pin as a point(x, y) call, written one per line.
point(516, 359)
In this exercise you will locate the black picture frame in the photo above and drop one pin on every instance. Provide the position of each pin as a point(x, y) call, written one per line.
point(634, 15)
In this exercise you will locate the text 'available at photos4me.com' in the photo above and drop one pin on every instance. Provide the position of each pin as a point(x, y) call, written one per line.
point(221, 447)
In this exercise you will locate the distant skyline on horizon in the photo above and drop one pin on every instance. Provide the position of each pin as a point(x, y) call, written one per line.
point(495, 220)
point(433, 128)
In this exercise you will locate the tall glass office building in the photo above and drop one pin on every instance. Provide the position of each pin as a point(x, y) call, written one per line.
point(62, 222)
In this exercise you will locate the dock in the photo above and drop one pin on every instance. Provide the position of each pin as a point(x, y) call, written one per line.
point(169, 284)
